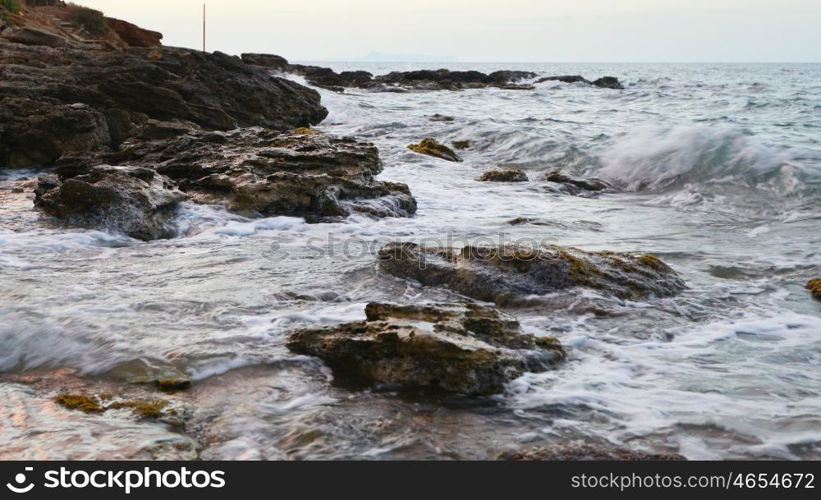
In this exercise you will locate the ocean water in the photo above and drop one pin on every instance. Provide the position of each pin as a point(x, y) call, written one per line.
point(719, 174)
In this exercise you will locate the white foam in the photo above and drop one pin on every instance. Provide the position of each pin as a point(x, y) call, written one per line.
point(656, 158)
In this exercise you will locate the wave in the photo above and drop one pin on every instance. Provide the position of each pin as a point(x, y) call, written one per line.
point(665, 159)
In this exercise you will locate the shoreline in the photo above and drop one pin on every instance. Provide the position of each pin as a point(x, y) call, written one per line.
point(132, 137)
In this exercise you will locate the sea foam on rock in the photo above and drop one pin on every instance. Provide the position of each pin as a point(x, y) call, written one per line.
point(461, 348)
point(507, 175)
point(257, 171)
point(432, 147)
point(510, 274)
point(132, 200)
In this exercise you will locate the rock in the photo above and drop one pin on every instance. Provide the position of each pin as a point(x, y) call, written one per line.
point(518, 221)
point(263, 172)
point(814, 286)
point(441, 79)
point(509, 274)
point(431, 147)
point(340, 81)
point(441, 118)
point(126, 88)
point(79, 402)
point(608, 82)
point(155, 130)
point(509, 175)
point(461, 144)
point(586, 452)
point(141, 408)
point(506, 77)
point(35, 133)
point(266, 60)
point(321, 77)
point(133, 35)
point(565, 79)
point(397, 81)
point(461, 348)
point(417, 80)
point(34, 36)
point(305, 131)
point(585, 184)
point(517, 86)
point(131, 200)
point(173, 384)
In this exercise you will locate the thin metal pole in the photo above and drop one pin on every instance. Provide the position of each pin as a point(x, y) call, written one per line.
point(203, 27)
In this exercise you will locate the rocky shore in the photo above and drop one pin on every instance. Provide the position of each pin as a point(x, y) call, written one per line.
point(418, 80)
point(133, 128)
point(128, 130)
point(462, 348)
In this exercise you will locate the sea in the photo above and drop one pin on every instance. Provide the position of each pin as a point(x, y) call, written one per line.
point(716, 170)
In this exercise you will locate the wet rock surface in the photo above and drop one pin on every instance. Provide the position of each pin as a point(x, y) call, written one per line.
point(432, 147)
point(509, 275)
point(158, 114)
point(606, 82)
point(508, 175)
point(417, 80)
point(814, 286)
point(586, 452)
point(575, 185)
point(260, 172)
point(61, 416)
point(461, 348)
point(132, 200)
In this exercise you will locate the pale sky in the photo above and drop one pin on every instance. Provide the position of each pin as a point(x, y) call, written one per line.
point(493, 30)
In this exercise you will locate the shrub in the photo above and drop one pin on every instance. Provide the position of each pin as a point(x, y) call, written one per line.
point(11, 5)
point(93, 21)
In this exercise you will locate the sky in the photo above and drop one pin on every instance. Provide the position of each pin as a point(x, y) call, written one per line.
point(492, 30)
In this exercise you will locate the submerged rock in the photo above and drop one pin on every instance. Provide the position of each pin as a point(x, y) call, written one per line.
point(432, 147)
point(173, 384)
point(258, 172)
point(814, 286)
point(606, 82)
point(510, 175)
point(586, 452)
point(565, 79)
point(444, 79)
point(583, 184)
point(132, 200)
point(142, 408)
point(511, 274)
point(461, 144)
point(461, 348)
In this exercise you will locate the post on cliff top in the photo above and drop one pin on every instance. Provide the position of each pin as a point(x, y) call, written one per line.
point(203, 27)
